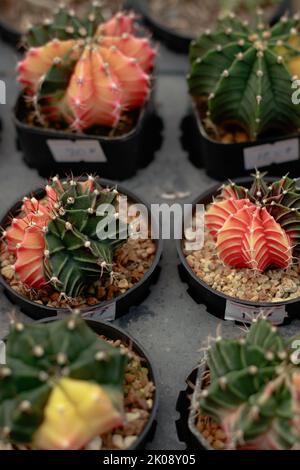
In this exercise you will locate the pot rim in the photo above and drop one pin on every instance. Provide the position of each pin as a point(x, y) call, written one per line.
point(54, 310)
point(207, 194)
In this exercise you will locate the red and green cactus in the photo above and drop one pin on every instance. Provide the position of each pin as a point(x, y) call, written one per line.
point(259, 227)
point(244, 73)
point(63, 240)
point(61, 386)
point(253, 390)
point(86, 72)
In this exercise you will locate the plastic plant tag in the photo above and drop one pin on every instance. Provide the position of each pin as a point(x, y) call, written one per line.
point(2, 353)
point(245, 313)
point(102, 313)
point(77, 151)
point(267, 154)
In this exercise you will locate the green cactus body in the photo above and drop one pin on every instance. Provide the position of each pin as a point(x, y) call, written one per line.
point(245, 74)
point(39, 356)
point(252, 392)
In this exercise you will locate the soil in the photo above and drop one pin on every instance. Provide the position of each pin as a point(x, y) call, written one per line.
point(131, 262)
point(21, 13)
point(139, 394)
point(273, 285)
point(192, 17)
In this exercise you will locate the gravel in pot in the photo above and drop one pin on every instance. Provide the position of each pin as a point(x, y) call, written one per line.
point(110, 364)
point(243, 386)
point(42, 284)
point(234, 279)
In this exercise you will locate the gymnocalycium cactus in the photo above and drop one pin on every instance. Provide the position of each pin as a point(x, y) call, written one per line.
point(254, 389)
point(86, 73)
point(244, 74)
point(61, 386)
point(64, 239)
point(259, 227)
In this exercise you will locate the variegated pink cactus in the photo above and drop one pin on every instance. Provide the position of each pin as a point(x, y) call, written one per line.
point(88, 75)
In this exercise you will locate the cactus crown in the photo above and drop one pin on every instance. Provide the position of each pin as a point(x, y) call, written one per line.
point(60, 357)
point(258, 227)
point(254, 389)
point(67, 239)
point(245, 73)
point(86, 73)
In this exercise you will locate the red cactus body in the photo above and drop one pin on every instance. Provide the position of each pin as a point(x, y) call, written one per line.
point(109, 75)
point(247, 236)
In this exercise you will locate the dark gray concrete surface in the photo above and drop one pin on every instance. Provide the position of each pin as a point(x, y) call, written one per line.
point(169, 323)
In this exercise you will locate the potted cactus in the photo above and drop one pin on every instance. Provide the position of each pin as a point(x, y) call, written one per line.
point(178, 22)
point(241, 82)
point(85, 104)
point(59, 251)
point(250, 402)
point(83, 390)
point(250, 257)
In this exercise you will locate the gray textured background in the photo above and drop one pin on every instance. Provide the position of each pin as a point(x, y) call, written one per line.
point(169, 323)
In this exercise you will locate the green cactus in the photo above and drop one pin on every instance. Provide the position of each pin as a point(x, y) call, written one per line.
point(43, 357)
point(254, 389)
point(281, 199)
point(244, 74)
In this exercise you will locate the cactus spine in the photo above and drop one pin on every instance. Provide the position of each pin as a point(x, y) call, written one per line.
point(61, 386)
point(86, 73)
point(244, 74)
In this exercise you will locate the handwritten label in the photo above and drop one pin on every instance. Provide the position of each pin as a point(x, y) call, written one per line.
point(104, 313)
point(245, 313)
point(2, 353)
point(77, 151)
point(266, 154)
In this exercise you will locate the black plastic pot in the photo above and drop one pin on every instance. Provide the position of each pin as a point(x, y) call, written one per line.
point(222, 161)
point(59, 152)
point(180, 42)
point(220, 304)
point(108, 310)
point(114, 333)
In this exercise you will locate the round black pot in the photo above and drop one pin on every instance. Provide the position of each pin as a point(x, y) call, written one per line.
point(277, 155)
point(114, 333)
point(180, 42)
point(108, 310)
point(54, 152)
point(218, 303)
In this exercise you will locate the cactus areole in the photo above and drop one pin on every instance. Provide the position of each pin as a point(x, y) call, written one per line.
point(83, 74)
point(67, 239)
point(251, 388)
point(61, 386)
point(241, 76)
point(257, 228)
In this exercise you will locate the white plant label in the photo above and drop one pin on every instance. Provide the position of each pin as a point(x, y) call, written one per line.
point(105, 313)
point(245, 313)
point(266, 154)
point(2, 353)
point(77, 151)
